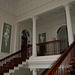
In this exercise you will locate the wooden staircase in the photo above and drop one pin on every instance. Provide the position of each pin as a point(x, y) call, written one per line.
point(11, 62)
point(10, 65)
point(65, 65)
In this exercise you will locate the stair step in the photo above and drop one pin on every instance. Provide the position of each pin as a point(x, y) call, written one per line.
point(17, 61)
point(3, 72)
point(6, 73)
point(16, 68)
point(23, 63)
point(3, 68)
point(11, 71)
point(20, 65)
point(12, 64)
point(8, 66)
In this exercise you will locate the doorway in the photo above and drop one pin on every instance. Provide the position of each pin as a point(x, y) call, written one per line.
point(24, 44)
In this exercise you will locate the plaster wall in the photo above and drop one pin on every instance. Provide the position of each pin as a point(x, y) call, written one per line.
point(52, 25)
point(5, 17)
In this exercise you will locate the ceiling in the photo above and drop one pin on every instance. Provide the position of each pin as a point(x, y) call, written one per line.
point(53, 13)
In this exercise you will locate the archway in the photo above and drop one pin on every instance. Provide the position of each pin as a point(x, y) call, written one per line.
point(24, 44)
point(62, 32)
point(25, 41)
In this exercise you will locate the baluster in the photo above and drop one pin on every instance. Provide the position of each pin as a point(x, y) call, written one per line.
point(54, 48)
point(60, 47)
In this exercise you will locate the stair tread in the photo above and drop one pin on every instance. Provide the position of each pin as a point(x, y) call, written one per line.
point(11, 64)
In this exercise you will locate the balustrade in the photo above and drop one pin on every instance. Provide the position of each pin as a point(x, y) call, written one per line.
point(52, 47)
point(65, 64)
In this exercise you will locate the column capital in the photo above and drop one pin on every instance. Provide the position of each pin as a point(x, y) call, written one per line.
point(67, 6)
point(33, 69)
point(34, 17)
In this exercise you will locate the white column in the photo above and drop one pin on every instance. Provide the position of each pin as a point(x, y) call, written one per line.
point(34, 52)
point(34, 72)
point(69, 25)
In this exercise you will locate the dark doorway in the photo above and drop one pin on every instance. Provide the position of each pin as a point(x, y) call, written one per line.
point(24, 44)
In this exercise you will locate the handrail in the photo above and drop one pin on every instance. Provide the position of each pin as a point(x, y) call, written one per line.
point(59, 61)
point(10, 55)
point(51, 41)
point(52, 47)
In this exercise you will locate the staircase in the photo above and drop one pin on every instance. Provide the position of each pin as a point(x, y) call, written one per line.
point(11, 63)
point(65, 65)
point(72, 68)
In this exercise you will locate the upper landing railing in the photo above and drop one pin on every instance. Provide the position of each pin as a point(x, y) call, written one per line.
point(52, 47)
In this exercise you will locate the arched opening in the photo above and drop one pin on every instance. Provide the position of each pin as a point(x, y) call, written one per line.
point(62, 32)
point(25, 43)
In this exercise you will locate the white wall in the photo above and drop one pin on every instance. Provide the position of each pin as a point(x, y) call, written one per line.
point(5, 17)
point(52, 25)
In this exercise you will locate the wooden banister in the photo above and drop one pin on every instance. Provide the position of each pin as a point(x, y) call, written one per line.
point(52, 47)
point(10, 55)
point(60, 60)
point(51, 41)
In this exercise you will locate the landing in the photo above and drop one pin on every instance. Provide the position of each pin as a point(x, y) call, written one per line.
point(42, 61)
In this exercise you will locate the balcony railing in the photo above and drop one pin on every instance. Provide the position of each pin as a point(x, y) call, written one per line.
point(52, 47)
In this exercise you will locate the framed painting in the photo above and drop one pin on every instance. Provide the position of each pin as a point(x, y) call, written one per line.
point(6, 38)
